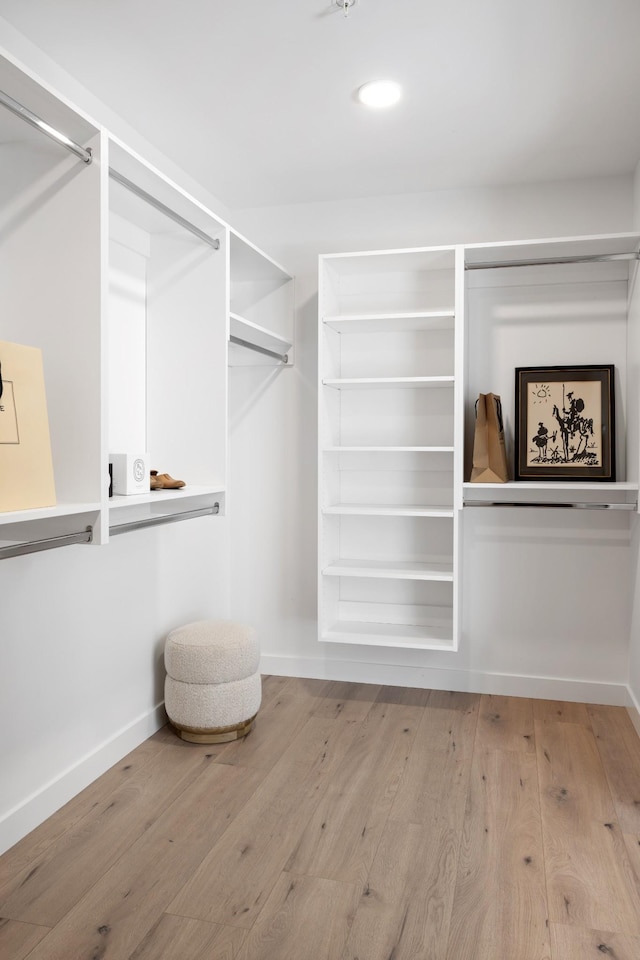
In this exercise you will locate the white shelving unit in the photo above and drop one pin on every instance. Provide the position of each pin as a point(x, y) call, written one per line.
point(261, 307)
point(166, 337)
point(388, 423)
point(131, 288)
point(553, 302)
point(408, 339)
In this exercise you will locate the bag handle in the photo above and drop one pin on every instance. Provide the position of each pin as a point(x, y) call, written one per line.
point(499, 410)
point(1, 384)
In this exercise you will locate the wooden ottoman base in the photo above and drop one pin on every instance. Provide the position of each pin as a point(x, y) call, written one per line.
point(216, 734)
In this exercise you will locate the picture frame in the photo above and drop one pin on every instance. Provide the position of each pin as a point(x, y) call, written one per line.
point(565, 423)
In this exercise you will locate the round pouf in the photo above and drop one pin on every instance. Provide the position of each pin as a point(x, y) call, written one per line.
point(213, 688)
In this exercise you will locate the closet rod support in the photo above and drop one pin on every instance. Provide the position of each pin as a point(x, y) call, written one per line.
point(552, 261)
point(36, 546)
point(40, 124)
point(585, 505)
point(167, 211)
point(162, 519)
point(283, 357)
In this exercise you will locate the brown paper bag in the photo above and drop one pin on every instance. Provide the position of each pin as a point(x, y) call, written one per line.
point(26, 468)
point(489, 454)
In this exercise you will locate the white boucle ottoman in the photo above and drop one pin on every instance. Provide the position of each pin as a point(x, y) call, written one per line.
point(213, 688)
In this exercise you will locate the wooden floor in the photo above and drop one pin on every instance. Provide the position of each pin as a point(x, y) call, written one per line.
point(355, 822)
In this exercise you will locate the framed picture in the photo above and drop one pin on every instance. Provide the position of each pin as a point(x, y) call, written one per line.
point(565, 426)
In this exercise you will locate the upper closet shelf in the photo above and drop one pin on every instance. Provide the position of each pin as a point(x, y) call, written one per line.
point(391, 322)
point(245, 333)
point(388, 382)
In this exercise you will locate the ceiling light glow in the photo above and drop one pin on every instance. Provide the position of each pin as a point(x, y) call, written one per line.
point(380, 93)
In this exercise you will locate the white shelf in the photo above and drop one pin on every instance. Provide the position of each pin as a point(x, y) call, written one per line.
point(46, 513)
point(423, 637)
point(393, 383)
point(392, 322)
point(569, 485)
point(386, 510)
point(393, 570)
point(388, 450)
point(257, 335)
point(191, 493)
point(554, 493)
point(249, 264)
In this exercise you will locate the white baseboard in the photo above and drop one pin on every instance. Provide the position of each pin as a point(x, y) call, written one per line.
point(34, 809)
point(433, 678)
point(633, 707)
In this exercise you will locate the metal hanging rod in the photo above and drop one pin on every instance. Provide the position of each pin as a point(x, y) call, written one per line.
point(283, 357)
point(44, 127)
point(551, 261)
point(168, 212)
point(35, 546)
point(541, 503)
point(164, 518)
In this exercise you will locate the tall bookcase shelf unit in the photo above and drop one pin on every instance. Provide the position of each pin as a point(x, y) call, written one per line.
point(166, 339)
point(389, 422)
point(260, 309)
point(50, 260)
point(545, 303)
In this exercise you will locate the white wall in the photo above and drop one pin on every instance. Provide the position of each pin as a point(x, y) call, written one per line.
point(505, 646)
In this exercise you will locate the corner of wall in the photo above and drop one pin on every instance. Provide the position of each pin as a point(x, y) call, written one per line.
point(636, 198)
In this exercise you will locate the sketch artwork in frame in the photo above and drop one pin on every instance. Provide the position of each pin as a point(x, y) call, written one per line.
point(565, 426)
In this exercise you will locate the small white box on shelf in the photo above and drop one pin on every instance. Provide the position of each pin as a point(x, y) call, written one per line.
point(130, 473)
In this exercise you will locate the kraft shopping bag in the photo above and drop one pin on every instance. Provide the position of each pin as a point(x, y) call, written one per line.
point(489, 453)
point(26, 467)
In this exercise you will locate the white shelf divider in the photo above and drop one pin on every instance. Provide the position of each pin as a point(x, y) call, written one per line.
point(393, 383)
point(421, 637)
point(388, 449)
point(393, 570)
point(386, 510)
point(391, 322)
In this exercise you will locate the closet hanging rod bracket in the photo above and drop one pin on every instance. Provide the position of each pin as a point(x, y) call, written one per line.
point(283, 357)
point(167, 211)
point(36, 546)
point(84, 153)
point(162, 519)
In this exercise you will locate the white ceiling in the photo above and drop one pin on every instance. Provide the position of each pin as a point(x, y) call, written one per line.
point(254, 98)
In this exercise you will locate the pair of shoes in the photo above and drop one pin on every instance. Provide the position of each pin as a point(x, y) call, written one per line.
point(162, 481)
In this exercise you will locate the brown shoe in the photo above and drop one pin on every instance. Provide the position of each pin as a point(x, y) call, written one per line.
point(168, 483)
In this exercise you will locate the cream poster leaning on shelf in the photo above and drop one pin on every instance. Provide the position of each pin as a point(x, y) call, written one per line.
point(26, 467)
point(565, 422)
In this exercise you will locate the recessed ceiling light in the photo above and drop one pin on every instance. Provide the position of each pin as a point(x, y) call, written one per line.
point(380, 93)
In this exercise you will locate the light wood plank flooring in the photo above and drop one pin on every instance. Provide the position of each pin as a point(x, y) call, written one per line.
point(355, 822)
